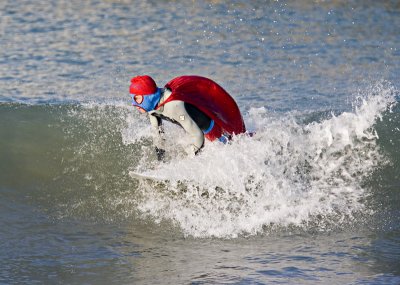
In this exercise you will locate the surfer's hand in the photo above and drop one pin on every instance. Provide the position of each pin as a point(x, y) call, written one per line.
point(160, 154)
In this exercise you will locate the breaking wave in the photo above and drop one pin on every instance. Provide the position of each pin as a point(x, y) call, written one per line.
point(292, 173)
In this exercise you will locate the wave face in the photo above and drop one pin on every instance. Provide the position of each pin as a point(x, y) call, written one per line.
point(301, 171)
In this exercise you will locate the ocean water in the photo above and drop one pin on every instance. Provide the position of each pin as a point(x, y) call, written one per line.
point(312, 198)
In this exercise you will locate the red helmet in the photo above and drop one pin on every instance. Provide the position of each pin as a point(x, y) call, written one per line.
point(142, 85)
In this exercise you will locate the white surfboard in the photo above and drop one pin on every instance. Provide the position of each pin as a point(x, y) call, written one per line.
point(142, 176)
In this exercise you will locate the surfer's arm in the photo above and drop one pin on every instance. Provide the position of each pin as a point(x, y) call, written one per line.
point(158, 132)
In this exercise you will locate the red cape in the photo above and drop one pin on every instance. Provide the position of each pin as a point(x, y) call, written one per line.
point(210, 98)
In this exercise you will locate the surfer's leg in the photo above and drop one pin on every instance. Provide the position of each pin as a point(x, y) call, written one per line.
point(211, 130)
point(201, 119)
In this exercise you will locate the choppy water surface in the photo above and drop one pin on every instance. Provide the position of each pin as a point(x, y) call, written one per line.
point(312, 198)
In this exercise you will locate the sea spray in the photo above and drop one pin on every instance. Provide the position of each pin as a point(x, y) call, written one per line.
point(288, 174)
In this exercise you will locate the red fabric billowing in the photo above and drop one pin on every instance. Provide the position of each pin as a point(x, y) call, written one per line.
point(210, 98)
point(215, 133)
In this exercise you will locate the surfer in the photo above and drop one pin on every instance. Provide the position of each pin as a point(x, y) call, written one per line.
point(198, 104)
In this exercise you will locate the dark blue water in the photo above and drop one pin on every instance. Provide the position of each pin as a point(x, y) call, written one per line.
point(312, 199)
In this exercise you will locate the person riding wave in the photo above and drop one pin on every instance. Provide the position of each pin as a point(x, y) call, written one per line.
point(198, 104)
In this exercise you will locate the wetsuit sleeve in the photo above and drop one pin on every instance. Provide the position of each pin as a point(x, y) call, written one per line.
point(157, 131)
point(176, 110)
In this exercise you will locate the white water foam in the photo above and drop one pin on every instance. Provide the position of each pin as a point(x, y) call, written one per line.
point(288, 174)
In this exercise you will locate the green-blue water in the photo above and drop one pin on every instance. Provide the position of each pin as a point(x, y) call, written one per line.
point(312, 198)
